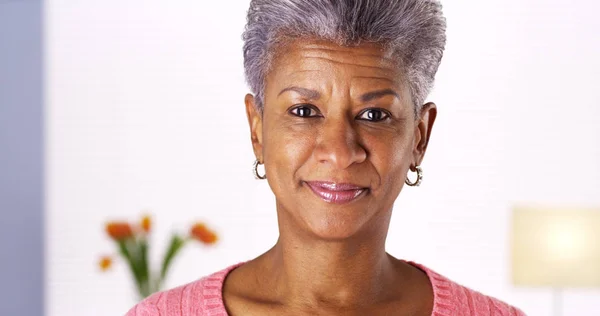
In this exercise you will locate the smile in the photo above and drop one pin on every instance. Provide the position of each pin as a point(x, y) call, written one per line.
point(337, 193)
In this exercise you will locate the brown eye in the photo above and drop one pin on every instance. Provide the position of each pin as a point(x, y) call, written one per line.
point(304, 110)
point(373, 115)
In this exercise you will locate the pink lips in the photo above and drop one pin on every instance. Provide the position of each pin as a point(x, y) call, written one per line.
point(338, 193)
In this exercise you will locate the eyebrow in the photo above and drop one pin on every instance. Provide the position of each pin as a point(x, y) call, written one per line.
point(307, 93)
point(369, 96)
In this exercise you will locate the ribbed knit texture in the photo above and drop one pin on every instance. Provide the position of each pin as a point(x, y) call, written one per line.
point(204, 297)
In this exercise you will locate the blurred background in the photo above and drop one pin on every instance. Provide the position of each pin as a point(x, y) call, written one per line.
point(114, 109)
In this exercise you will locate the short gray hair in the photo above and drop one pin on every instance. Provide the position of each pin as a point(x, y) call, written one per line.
point(413, 30)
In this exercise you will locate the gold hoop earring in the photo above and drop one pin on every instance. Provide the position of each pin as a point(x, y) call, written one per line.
point(417, 183)
point(255, 171)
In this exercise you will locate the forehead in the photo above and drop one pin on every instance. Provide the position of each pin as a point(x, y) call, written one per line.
point(319, 60)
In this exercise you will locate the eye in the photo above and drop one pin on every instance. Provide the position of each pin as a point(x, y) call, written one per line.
point(373, 115)
point(305, 110)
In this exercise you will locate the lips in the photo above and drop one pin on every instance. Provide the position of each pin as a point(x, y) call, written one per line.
point(338, 193)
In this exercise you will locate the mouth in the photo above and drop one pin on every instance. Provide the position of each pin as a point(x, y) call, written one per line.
point(336, 193)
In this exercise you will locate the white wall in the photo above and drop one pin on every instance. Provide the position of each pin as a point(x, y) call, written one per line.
point(145, 112)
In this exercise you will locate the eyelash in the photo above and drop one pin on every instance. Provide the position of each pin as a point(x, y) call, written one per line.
point(385, 114)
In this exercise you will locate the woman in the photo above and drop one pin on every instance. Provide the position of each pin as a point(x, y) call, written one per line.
point(338, 120)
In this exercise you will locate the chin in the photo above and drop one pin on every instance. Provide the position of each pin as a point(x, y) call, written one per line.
point(324, 220)
point(335, 224)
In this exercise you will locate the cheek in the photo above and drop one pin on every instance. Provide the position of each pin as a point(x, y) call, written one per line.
point(391, 158)
point(286, 148)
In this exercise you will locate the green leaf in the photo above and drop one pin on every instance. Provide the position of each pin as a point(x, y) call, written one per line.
point(175, 246)
point(127, 253)
point(143, 267)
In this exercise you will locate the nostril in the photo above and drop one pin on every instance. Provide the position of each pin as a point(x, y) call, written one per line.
point(340, 154)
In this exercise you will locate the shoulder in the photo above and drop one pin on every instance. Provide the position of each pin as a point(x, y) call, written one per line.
point(201, 297)
point(184, 300)
point(451, 298)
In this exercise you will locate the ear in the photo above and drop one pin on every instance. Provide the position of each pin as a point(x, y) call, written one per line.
point(255, 123)
point(423, 129)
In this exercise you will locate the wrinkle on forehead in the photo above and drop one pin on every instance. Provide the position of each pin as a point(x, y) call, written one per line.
point(312, 57)
point(376, 50)
point(367, 54)
point(345, 60)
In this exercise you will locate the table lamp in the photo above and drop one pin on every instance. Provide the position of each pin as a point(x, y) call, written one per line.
point(555, 248)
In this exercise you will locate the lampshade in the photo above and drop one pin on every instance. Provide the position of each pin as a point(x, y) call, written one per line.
point(556, 247)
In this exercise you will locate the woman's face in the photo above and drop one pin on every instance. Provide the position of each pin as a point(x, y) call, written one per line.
point(337, 136)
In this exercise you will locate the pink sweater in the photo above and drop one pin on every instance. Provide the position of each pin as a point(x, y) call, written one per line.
point(204, 297)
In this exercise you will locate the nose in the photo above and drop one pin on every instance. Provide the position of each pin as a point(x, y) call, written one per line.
point(338, 144)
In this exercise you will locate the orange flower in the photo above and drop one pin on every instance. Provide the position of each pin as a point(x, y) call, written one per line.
point(200, 232)
point(119, 230)
point(146, 223)
point(105, 263)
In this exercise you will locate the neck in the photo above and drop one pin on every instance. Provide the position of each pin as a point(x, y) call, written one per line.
point(350, 272)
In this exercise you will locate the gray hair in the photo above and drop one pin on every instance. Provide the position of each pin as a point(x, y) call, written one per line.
point(412, 30)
